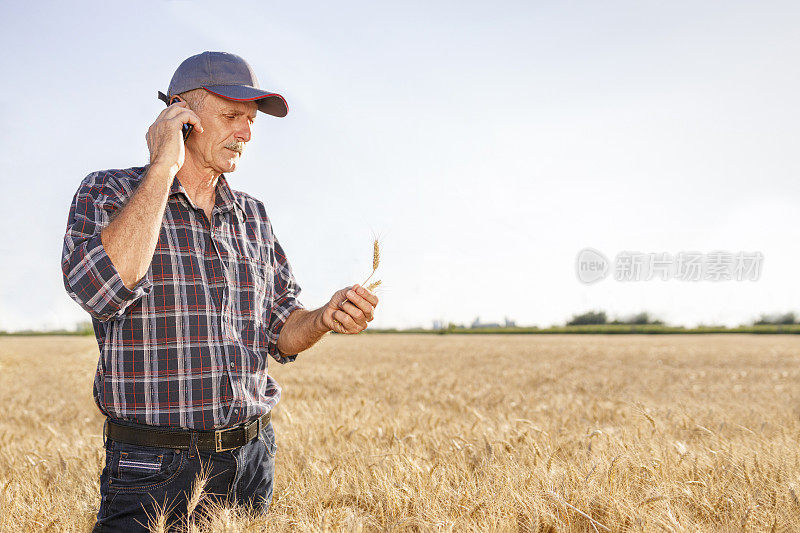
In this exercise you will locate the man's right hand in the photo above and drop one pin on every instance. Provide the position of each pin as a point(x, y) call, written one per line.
point(165, 136)
point(130, 238)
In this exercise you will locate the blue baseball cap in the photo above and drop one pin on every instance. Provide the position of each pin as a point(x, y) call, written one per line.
point(226, 75)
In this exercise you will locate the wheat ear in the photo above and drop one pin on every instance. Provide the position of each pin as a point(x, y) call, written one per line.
point(376, 260)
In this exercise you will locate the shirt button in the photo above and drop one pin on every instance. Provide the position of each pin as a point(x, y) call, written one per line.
point(236, 411)
point(231, 364)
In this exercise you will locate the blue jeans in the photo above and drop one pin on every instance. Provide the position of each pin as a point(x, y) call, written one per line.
point(138, 480)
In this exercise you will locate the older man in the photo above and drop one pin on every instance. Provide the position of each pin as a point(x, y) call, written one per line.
point(190, 292)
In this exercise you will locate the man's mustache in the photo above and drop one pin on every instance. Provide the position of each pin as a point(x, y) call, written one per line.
point(236, 147)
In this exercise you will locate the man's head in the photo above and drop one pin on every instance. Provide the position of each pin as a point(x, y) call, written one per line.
point(227, 127)
point(223, 90)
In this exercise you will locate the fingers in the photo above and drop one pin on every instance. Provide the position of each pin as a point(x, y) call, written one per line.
point(179, 111)
point(338, 327)
point(180, 116)
point(172, 107)
point(352, 314)
point(367, 295)
point(171, 110)
point(358, 307)
point(358, 316)
point(364, 299)
point(346, 322)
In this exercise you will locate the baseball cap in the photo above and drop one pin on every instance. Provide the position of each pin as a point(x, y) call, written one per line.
point(226, 75)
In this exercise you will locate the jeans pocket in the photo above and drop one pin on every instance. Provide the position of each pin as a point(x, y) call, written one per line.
point(135, 467)
point(267, 436)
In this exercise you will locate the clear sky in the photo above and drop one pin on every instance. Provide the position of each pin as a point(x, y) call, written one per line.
point(485, 143)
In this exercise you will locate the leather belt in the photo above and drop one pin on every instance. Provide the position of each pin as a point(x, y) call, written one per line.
point(218, 440)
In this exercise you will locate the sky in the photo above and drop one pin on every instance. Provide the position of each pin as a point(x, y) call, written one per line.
point(486, 145)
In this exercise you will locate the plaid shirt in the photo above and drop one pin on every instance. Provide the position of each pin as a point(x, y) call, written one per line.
point(188, 345)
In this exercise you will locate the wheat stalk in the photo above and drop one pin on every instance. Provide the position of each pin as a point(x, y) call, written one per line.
point(376, 261)
point(197, 495)
point(158, 521)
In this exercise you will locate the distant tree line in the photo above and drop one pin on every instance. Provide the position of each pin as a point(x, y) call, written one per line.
point(596, 318)
point(778, 319)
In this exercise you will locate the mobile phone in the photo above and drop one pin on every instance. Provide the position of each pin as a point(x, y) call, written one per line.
point(187, 128)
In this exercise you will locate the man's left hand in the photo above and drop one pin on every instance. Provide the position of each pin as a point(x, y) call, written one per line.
point(349, 310)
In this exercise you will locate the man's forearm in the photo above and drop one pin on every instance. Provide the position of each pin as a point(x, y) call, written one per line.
point(301, 331)
point(131, 237)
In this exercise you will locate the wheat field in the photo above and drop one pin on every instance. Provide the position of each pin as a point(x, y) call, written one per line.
point(460, 433)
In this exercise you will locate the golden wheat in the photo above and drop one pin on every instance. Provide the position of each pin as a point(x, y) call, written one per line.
point(196, 496)
point(376, 261)
point(459, 433)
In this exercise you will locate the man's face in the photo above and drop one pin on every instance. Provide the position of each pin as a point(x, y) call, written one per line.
point(226, 128)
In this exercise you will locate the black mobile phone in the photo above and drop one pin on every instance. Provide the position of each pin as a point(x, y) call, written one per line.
point(187, 128)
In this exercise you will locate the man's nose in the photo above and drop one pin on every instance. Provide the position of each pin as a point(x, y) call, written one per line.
point(244, 132)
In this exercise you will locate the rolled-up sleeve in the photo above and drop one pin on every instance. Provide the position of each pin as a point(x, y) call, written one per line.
point(286, 293)
point(90, 278)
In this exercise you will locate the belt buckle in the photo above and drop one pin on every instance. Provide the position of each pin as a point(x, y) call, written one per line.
point(247, 426)
point(218, 441)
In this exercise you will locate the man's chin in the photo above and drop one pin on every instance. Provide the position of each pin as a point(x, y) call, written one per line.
point(229, 165)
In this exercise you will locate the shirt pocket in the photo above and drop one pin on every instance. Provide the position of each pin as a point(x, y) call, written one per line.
point(253, 302)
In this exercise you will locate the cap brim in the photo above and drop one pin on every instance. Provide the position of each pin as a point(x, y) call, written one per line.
point(269, 103)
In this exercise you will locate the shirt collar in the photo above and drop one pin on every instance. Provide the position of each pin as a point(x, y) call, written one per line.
point(226, 200)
